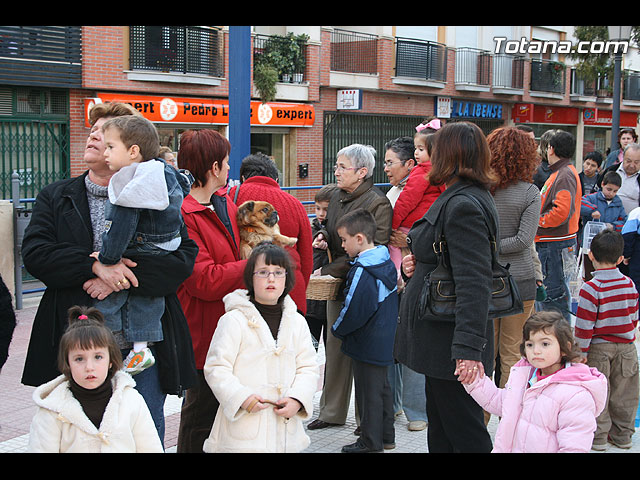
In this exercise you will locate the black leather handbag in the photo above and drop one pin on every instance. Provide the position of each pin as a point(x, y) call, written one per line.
point(438, 297)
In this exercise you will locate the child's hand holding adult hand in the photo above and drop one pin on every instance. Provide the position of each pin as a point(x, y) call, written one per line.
point(254, 403)
point(288, 407)
point(468, 371)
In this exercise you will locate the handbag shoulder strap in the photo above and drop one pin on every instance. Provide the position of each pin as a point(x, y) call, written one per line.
point(439, 245)
point(492, 232)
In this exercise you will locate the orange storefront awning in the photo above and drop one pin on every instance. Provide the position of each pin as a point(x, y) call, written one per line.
point(212, 111)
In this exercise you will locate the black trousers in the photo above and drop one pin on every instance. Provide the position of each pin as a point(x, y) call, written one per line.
point(198, 412)
point(374, 402)
point(456, 421)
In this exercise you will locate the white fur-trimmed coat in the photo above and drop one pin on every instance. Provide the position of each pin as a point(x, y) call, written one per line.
point(245, 359)
point(61, 426)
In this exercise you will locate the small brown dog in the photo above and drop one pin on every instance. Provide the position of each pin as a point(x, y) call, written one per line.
point(258, 222)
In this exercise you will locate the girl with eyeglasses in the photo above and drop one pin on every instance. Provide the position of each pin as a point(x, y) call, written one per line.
point(261, 365)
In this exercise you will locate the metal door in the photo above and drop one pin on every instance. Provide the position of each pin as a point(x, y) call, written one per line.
point(34, 139)
point(343, 129)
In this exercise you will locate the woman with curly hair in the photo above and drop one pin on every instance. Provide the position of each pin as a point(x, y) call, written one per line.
point(514, 162)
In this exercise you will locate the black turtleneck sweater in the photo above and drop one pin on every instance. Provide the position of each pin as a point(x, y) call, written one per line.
point(93, 401)
point(272, 314)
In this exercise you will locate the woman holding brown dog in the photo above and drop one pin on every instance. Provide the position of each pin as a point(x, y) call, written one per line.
point(259, 177)
point(210, 217)
point(354, 178)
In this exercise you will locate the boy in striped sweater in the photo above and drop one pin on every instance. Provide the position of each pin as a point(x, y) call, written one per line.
point(606, 322)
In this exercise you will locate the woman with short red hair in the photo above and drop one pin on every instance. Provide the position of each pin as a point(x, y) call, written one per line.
point(210, 217)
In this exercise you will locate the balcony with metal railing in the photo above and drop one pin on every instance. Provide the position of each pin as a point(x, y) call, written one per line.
point(547, 78)
point(508, 74)
point(421, 60)
point(594, 90)
point(631, 88)
point(473, 69)
point(177, 50)
point(286, 54)
point(42, 56)
point(354, 52)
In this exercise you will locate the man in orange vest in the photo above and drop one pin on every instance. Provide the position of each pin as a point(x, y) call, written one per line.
point(559, 216)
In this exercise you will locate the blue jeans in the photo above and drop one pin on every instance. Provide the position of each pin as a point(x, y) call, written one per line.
point(148, 385)
point(137, 316)
point(407, 388)
point(559, 262)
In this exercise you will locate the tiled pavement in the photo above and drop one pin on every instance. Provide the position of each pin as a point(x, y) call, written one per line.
point(17, 408)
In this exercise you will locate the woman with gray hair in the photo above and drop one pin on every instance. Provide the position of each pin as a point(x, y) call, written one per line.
point(354, 178)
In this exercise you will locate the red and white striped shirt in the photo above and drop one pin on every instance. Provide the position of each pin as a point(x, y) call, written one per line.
point(607, 309)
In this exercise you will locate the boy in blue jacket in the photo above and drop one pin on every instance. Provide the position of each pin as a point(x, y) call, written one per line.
point(605, 205)
point(367, 325)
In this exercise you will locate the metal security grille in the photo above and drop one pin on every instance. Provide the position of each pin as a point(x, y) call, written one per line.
point(181, 49)
point(547, 76)
point(41, 55)
point(421, 59)
point(343, 129)
point(34, 139)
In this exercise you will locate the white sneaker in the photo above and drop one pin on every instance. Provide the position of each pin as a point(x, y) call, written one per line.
point(136, 362)
point(417, 425)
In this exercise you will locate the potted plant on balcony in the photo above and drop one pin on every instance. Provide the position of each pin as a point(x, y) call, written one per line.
point(293, 57)
point(279, 59)
point(267, 66)
point(299, 57)
point(265, 77)
point(556, 69)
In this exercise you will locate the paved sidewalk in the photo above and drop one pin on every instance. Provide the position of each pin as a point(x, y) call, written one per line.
point(17, 408)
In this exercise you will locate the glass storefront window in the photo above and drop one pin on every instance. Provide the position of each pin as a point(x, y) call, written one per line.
point(595, 140)
point(272, 145)
point(170, 137)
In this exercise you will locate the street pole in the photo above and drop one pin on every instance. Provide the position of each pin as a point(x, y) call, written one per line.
point(615, 113)
point(239, 97)
point(617, 33)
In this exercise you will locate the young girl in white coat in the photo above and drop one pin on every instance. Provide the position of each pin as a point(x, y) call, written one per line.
point(93, 406)
point(261, 364)
point(549, 404)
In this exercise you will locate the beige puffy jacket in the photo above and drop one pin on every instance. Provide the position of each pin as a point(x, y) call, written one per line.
point(61, 426)
point(245, 359)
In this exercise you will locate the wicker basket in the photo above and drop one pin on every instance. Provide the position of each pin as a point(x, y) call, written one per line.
point(323, 287)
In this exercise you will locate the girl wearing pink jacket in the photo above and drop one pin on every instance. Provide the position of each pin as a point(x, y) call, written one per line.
point(549, 405)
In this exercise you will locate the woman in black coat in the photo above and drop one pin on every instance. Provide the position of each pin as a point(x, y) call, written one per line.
point(65, 225)
point(448, 352)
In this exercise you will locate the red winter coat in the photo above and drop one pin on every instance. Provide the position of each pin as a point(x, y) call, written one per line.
point(218, 270)
point(293, 222)
point(416, 197)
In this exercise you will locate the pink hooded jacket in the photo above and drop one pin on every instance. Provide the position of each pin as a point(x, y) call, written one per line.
point(555, 415)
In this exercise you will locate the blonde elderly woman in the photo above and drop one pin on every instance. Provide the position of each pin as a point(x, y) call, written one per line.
point(354, 178)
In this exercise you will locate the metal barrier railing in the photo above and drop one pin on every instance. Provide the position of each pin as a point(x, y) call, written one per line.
point(318, 187)
point(22, 215)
